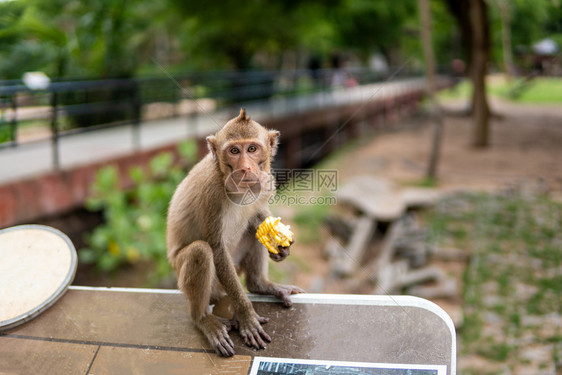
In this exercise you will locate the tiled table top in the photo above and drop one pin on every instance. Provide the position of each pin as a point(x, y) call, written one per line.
point(132, 331)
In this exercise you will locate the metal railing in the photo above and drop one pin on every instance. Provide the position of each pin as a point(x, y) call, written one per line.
point(70, 107)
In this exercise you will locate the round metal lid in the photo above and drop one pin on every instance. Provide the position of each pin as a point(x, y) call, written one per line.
point(37, 264)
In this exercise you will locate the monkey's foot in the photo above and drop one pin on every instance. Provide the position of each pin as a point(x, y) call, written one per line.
point(217, 333)
point(252, 332)
point(230, 324)
point(285, 291)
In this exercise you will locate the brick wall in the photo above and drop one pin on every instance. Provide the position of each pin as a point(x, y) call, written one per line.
point(61, 191)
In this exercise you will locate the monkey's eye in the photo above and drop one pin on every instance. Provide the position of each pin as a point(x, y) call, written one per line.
point(234, 150)
point(252, 149)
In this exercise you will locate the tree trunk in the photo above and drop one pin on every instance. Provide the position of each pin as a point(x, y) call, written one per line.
point(480, 51)
point(461, 10)
point(427, 43)
point(505, 16)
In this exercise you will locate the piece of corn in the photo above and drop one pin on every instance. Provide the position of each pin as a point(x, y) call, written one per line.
point(273, 233)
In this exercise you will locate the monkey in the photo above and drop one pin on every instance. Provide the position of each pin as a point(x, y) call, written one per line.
point(211, 227)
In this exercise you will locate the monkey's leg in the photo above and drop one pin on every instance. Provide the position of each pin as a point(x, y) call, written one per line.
point(195, 271)
point(249, 322)
point(255, 266)
point(217, 294)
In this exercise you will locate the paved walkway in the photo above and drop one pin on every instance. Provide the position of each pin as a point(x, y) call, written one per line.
point(28, 160)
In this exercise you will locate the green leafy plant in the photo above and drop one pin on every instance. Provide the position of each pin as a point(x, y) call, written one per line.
point(135, 218)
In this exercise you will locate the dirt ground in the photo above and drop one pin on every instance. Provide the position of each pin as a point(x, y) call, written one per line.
point(525, 151)
point(525, 147)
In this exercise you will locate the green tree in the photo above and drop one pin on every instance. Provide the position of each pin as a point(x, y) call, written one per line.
point(81, 38)
point(114, 35)
point(529, 21)
point(232, 32)
point(473, 21)
point(28, 42)
point(120, 38)
point(10, 12)
point(369, 26)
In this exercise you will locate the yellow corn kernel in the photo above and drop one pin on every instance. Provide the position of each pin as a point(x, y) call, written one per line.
point(272, 233)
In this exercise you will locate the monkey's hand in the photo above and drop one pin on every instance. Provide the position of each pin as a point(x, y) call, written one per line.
point(285, 291)
point(274, 235)
point(282, 252)
point(251, 330)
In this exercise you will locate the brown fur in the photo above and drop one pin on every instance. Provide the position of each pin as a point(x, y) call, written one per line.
point(210, 238)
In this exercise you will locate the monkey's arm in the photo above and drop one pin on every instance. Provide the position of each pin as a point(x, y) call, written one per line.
point(258, 219)
point(254, 265)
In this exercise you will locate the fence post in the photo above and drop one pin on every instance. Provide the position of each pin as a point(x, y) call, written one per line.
point(14, 121)
point(177, 100)
point(136, 105)
point(55, 130)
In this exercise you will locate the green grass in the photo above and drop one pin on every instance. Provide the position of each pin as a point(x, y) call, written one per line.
point(514, 242)
point(309, 219)
point(537, 91)
point(425, 182)
point(4, 133)
point(5, 127)
point(540, 90)
point(460, 91)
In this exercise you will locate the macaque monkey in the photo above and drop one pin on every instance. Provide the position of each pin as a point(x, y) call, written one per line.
point(211, 232)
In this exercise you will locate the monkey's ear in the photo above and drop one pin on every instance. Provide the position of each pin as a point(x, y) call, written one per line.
point(212, 145)
point(273, 141)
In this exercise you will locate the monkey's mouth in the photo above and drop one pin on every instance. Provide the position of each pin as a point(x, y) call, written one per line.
point(244, 179)
point(243, 182)
point(247, 182)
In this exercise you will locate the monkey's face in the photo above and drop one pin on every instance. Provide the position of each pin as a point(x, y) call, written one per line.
point(245, 161)
point(243, 150)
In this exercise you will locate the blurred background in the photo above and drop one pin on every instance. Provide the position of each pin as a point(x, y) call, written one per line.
point(116, 39)
point(444, 115)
